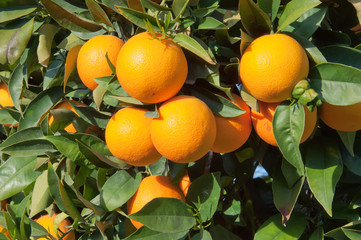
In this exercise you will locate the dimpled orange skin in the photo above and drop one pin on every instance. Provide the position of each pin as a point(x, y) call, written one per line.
point(233, 132)
point(271, 66)
point(127, 136)
point(185, 130)
point(151, 187)
point(151, 70)
point(70, 128)
point(262, 122)
point(91, 61)
point(47, 222)
point(341, 118)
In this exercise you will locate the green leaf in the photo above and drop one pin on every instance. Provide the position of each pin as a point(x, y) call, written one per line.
point(273, 228)
point(16, 86)
point(288, 124)
point(53, 182)
point(178, 7)
point(353, 163)
point(169, 215)
point(348, 139)
point(285, 197)
point(317, 234)
point(193, 46)
point(294, 10)
point(219, 232)
point(98, 13)
point(275, 7)
point(218, 104)
point(343, 55)
point(41, 198)
point(211, 23)
point(145, 233)
point(154, 6)
point(204, 193)
point(91, 115)
point(138, 18)
point(12, 13)
point(202, 235)
point(16, 174)
point(95, 208)
point(336, 84)
point(40, 106)
point(323, 170)
point(9, 116)
point(68, 203)
point(118, 189)
point(68, 19)
point(254, 20)
point(311, 49)
point(14, 41)
point(46, 36)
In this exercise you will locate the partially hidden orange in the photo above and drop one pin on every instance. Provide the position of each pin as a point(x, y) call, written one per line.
point(47, 222)
point(128, 138)
point(4, 231)
point(92, 62)
point(185, 183)
point(5, 99)
point(150, 69)
point(150, 188)
point(271, 66)
point(233, 132)
point(262, 122)
point(341, 118)
point(185, 130)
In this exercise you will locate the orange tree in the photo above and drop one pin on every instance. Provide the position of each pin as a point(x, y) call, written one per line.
point(249, 111)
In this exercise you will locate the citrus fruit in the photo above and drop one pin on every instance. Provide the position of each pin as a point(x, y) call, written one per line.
point(47, 222)
point(262, 122)
point(184, 183)
point(65, 104)
point(151, 70)
point(152, 187)
point(341, 118)
point(271, 66)
point(5, 99)
point(91, 61)
point(185, 130)
point(127, 136)
point(4, 231)
point(232, 132)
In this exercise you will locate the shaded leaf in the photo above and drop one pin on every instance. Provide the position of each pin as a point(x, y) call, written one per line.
point(219, 232)
point(145, 233)
point(348, 139)
point(46, 36)
point(16, 86)
point(12, 13)
point(41, 198)
point(343, 55)
point(211, 24)
point(53, 182)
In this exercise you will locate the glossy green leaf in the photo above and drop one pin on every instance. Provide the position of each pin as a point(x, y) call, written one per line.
point(211, 23)
point(16, 86)
point(273, 229)
point(16, 174)
point(41, 198)
point(288, 124)
point(68, 19)
point(313, 52)
point(138, 18)
point(40, 106)
point(202, 235)
point(218, 104)
point(68, 203)
point(219, 232)
point(179, 7)
point(145, 233)
point(348, 139)
point(118, 189)
point(275, 7)
point(95, 208)
point(343, 55)
point(8, 116)
point(285, 197)
point(204, 193)
point(254, 20)
point(294, 10)
point(323, 170)
point(154, 6)
point(91, 115)
point(46, 36)
point(98, 13)
point(12, 13)
point(317, 234)
point(193, 46)
point(14, 41)
point(168, 215)
point(336, 84)
point(69, 42)
point(53, 182)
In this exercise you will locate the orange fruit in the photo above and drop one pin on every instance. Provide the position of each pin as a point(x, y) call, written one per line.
point(233, 132)
point(341, 118)
point(262, 122)
point(151, 70)
point(4, 231)
point(271, 66)
point(47, 222)
point(184, 183)
point(127, 136)
point(65, 104)
point(91, 61)
point(152, 187)
point(185, 130)
point(5, 99)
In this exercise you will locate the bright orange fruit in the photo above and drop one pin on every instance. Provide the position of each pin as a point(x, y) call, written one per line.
point(47, 222)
